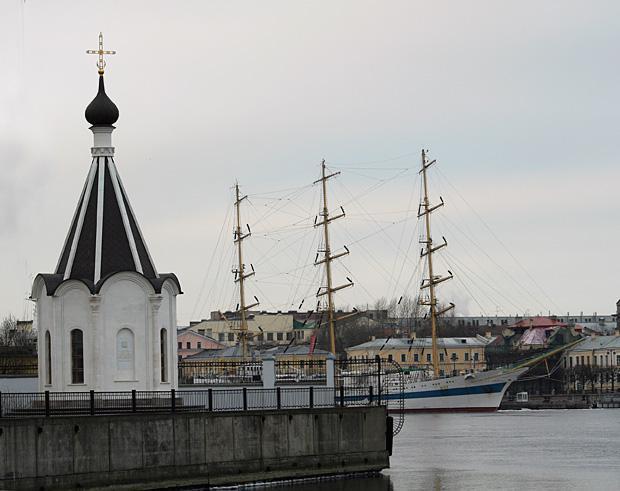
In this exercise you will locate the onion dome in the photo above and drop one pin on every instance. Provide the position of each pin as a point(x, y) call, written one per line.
point(101, 111)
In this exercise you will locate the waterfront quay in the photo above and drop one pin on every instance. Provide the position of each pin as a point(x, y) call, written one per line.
point(234, 423)
point(563, 401)
point(147, 451)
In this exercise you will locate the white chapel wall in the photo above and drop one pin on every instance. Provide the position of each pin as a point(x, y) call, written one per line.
point(125, 306)
point(121, 328)
point(73, 312)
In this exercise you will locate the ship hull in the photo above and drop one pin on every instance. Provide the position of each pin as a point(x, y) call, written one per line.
point(480, 392)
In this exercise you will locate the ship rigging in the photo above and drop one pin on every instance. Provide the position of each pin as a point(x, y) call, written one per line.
point(239, 271)
point(432, 280)
point(329, 290)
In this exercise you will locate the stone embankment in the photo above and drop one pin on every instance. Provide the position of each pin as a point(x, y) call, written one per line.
point(146, 451)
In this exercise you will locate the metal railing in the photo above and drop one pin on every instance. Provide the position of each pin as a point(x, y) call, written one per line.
point(49, 404)
point(290, 372)
point(383, 377)
point(220, 373)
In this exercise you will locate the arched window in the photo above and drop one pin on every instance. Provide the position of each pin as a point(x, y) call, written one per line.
point(77, 356)
point(163, 354)
point(48, 358)
point(125, 365)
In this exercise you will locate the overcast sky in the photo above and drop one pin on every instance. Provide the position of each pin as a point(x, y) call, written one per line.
point(518, 101)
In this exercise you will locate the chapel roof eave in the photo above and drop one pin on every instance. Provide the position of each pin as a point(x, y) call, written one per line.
point(53, 281)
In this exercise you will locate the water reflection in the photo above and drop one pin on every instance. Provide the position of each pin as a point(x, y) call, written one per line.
point(508, 450)
point(374, 483)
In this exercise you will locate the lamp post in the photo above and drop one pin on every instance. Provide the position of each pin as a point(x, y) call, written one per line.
point(454, 358)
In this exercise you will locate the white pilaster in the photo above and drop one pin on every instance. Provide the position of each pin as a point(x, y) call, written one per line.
point(98, 343)
point(153, 344)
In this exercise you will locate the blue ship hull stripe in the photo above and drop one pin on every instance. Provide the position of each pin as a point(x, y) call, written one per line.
point(457, 391)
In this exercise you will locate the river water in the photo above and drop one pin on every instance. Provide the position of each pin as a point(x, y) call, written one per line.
point(508, 450)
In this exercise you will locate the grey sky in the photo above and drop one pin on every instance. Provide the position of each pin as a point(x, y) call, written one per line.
point(518, 101)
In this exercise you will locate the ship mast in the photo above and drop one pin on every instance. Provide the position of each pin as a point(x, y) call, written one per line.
point(328, 258)
point(425, 211)
point(241, 276)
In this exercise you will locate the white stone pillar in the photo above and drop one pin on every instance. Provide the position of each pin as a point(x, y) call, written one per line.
point(269, 372)
point(330, 370)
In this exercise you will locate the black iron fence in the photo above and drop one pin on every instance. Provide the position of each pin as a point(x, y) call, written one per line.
point(49, 404)
point(290, 372)
point(358, 373)
point(220, 373)
point(384, 377)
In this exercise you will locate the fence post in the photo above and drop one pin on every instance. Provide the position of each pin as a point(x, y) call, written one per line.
point(133, 400)
point(330, 372)
point(378, 360)
point(311, 397)
point(92, 402)
point(269, 372)
point(173, 400)
point(245, 399)
point(47, 403)
point(278, 398)
point(341, 396)
point(370, 396)
point(210, 399)
point(0, 403)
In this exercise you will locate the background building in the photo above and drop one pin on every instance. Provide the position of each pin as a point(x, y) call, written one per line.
point(264, 328)
point(461, 355)
point(191, 343)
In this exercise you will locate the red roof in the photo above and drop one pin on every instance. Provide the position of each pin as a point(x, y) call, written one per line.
point(537, 322)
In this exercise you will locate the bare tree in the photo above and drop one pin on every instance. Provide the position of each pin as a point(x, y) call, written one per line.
point(381, 304)
point(16, 334)
point(408, 312)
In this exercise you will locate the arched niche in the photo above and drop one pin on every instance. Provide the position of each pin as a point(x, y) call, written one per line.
point(125, 355)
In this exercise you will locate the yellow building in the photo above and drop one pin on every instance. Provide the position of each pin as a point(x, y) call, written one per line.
point(264, 328)
point(460, 355)
point(593, 364)
point(595, 351)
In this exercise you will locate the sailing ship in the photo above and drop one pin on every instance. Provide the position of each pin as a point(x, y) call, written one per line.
point(419, 388)
point(422, 388)
point(429, 388)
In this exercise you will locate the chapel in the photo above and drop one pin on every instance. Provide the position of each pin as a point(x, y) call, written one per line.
point(106, 318)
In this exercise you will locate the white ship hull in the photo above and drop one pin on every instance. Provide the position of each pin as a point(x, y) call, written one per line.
point(477, 392)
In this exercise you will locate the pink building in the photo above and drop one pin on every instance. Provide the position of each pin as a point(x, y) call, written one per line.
point(191, 343)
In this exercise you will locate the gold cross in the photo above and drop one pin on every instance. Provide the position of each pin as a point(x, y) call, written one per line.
point(100, 52)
